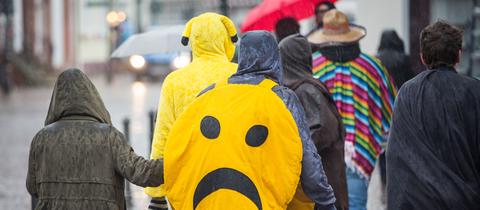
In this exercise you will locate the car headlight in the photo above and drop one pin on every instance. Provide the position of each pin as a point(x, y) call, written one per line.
point(137, 61)
point(181, 61)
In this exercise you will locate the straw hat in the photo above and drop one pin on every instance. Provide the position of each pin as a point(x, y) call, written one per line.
point(337, 30)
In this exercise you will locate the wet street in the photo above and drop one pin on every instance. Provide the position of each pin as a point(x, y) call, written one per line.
point(23, 113)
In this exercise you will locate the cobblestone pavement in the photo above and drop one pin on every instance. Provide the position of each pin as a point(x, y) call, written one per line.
point(23, 113)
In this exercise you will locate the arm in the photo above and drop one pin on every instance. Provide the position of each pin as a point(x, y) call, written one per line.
point(313, 179)
point(163, 125)
point(318, 116)
point(132, 167)
point(165, 120)
point(31, 179)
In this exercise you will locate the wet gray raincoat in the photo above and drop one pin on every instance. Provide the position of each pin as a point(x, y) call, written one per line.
point(79, 160)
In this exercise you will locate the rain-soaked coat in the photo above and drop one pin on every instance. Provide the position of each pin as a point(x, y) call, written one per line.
point(433, 156)
point(79, 160)
point(211, 38)
point(259, 58)
point(323, 119)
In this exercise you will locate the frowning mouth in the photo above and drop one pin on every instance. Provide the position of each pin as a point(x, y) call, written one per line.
point(226, 178)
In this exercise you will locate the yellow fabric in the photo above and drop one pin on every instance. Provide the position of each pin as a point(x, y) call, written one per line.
point(273, 167)
point(210, 35)
point(210, 43)
point(300, 201)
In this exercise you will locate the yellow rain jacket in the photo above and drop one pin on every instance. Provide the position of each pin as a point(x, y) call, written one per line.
point(235, 147)
point(211, 37)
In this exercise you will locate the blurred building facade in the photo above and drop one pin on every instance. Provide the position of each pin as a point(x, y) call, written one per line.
point(75, 33)
point(45, 30)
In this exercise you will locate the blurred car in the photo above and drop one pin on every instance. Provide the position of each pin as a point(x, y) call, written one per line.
point(157, 66)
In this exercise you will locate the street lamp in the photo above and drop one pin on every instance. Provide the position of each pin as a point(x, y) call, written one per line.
point(114, 18)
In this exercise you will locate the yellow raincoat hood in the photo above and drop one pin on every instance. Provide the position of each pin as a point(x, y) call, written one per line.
point(211, 37)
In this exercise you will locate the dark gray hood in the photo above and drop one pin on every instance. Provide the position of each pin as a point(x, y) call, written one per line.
point(296, 59)
point(75, 95)
point(259, 57)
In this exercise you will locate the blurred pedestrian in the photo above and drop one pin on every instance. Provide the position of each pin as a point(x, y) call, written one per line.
point(323, 119)
point(79, 160)
point(391, 53)
point(5, 80)
point(364, 95)
point(286, 27)
point(211, 37)
point(320, 10)
point(433, 156)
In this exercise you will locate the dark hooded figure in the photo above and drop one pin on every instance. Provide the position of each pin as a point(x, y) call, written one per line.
point(286, 27)
point(323, 119)
point(433, 156)
point(391, 52)
point(259, 58)
point(79, 160)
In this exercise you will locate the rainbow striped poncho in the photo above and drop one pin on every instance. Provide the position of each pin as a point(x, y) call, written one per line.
point(364, 94)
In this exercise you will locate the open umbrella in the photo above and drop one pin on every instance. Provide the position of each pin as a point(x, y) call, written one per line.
point(265, 15)
point(162, 40)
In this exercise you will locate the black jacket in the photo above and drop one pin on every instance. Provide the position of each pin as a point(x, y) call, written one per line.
point(433, 156)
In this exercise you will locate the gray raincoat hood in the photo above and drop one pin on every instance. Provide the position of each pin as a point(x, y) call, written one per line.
point(75, 95)
point(259, 58)
point(296, 59)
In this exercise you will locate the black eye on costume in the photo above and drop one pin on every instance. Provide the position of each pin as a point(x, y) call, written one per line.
point(256, 135)
point(210, 127)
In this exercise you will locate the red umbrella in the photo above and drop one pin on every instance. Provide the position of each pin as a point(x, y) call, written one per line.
point(265, 15)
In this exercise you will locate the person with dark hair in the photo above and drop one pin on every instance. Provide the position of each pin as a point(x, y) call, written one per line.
point(286, 27)
point(323, 119)
point(363, 92)
point(320, 10)
point(79, 160)
point(433, 156)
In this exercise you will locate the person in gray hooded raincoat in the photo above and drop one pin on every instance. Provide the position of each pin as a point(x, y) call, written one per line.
point(259, 58)
point(324, 121)
point(79, 160)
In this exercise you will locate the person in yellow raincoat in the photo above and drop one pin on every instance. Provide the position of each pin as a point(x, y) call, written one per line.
point(244, 143)
point(212, 39)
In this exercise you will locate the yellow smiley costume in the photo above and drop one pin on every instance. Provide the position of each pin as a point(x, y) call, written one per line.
point(237, 146)
point(211, 37)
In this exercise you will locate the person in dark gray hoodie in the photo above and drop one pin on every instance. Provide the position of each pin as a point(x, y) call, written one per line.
point(324, 121)
point(79, 160)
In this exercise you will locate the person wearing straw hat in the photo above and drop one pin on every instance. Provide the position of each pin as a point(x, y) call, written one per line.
point(363, 92)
